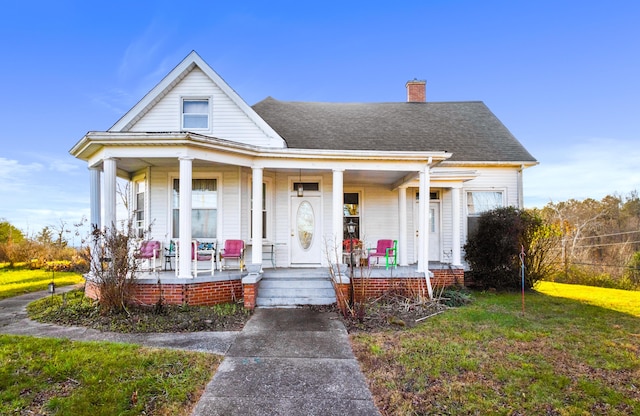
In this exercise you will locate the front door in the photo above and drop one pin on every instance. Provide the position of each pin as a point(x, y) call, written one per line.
point(306, 238)
point(433, 225)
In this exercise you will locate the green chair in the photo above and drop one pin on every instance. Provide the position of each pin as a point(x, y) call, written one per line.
point(387, 249)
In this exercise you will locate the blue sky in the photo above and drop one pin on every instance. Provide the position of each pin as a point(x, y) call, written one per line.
point(563, 76)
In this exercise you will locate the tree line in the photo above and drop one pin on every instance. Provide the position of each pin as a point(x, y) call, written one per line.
point(595, 242)
point(49, 247)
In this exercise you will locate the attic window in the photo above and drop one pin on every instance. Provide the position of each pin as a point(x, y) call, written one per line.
point(195, 114)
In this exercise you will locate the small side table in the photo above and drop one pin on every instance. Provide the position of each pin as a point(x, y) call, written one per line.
point(167, 260)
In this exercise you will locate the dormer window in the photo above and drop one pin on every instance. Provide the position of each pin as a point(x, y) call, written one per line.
point(195, 114)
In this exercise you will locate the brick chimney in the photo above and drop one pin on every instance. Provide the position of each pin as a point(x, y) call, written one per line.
point(416, 91)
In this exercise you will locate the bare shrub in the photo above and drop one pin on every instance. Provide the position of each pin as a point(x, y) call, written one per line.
point(114, 267)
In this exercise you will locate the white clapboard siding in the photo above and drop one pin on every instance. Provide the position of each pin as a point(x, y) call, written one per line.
point(228, 121)
point(379, 216)
point(158, 204)
point(229, 212)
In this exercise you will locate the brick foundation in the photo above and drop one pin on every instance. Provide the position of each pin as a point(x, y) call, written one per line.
point(196, 294)
point(372, 287)
point(225, 291)
point(250, 294)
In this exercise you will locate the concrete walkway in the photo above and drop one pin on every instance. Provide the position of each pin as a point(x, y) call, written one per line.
point(284, 362)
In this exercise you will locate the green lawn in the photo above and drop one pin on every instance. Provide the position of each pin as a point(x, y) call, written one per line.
point(563, 357)
point(61, 377)
point(625, 301)
point(14, 282)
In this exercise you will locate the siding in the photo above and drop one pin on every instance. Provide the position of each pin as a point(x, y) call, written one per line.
point(228, 121)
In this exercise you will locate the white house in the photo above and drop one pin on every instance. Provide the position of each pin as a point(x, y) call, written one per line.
point(206, 166)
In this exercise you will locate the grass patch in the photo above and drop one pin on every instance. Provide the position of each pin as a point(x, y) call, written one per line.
point(73, 308)
point(61, 377)
point(625, 301)
point(14, 282)
point(562, 357)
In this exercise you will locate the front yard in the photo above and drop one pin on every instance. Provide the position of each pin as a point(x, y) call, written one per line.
point(14, 282)
point(61, 377)
point(562, 357)
point(574, 351)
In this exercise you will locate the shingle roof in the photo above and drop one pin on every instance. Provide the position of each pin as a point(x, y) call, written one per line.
point(469, 130)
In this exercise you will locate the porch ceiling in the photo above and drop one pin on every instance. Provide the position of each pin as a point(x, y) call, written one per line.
point(351, 177)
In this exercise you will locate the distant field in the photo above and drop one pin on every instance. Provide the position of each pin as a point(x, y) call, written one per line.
point(14, 282)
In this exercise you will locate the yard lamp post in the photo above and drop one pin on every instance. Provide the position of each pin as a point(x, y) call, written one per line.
point(52, 286)
point(351, 231)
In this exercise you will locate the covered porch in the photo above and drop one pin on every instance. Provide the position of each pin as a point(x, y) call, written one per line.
point(286, 287)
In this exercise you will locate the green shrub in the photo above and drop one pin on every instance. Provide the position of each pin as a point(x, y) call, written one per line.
point(493, 249)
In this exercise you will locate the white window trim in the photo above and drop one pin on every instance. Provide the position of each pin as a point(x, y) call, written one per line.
point(141, 177)
point(195, 175)
point(209, 100)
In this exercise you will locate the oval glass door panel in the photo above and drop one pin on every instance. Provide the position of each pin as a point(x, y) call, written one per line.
point(305, 220)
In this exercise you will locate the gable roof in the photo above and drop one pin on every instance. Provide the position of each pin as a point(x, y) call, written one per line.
point(469, 130)
point(187, 65)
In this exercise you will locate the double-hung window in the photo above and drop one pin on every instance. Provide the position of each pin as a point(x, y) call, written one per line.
point(139, 188)
point(264, 212)
point(204, 208)
point(195, 114)
point(479, 202)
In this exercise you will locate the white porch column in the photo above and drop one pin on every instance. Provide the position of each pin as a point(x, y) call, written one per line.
point(423, 228)
point(109, 166)
point(256, 228)
point(337, 212)
point(186, 175)
point(421, 222)
point(456, 221)
point(94, 197)
point(96, 218)
point(402, 243)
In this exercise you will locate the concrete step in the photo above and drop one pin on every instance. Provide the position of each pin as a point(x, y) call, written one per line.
point(297, 292)
point(290, 291)
point(295, 284)
point(281, 302)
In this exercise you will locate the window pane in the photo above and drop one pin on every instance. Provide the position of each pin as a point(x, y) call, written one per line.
point(195, 106)
point(479, 202)
point(140, 202)
point(203, 223)
point(192, 121)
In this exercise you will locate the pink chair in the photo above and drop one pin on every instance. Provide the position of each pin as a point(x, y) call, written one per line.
point(387, 249)
point(150, 252)
point(200, 252)
point(233, 249)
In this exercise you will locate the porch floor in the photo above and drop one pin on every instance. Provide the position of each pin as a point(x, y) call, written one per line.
point(300, 272)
